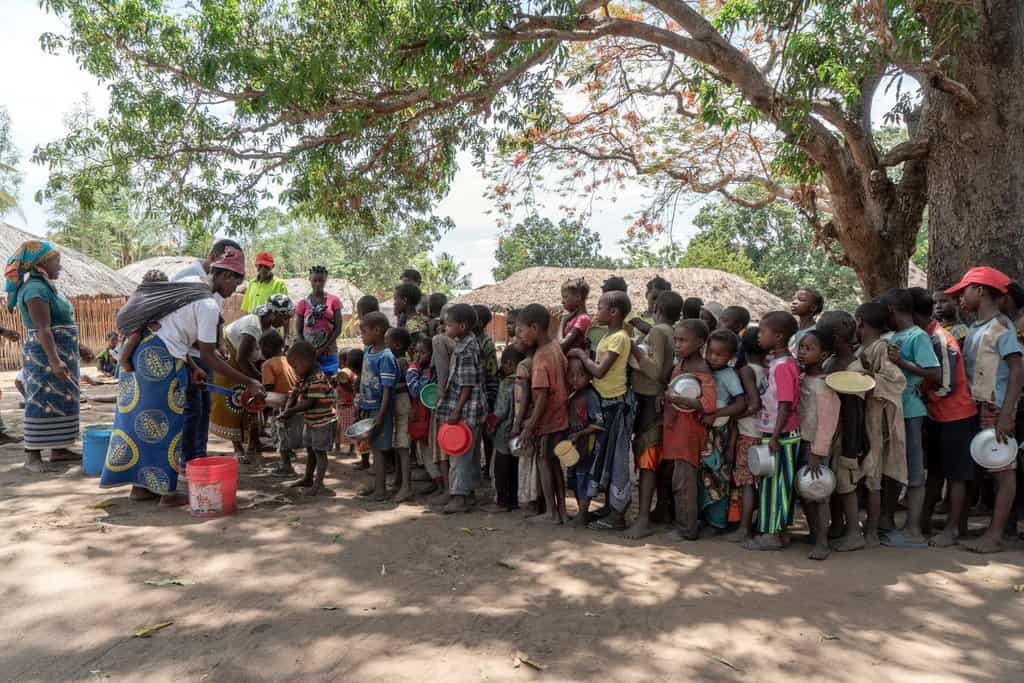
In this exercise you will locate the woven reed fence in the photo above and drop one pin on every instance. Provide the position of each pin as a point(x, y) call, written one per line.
point(96, 316)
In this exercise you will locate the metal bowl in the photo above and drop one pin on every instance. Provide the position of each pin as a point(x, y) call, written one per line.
point(815, 488)
point(685, 386)
point(760, 460)
point(361, 429)
point(989, 453)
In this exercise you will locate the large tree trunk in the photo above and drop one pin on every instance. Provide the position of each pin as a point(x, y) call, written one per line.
point(976, 158)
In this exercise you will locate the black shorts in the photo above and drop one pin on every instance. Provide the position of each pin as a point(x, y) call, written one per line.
point(947, 446)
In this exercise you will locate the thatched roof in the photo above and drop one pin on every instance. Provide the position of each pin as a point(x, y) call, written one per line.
point(544, 286)
point(170, 265)
point(80, 274)
point(298, 288)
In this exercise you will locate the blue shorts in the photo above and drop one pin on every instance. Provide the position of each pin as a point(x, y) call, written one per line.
point(915, 451)
point(329, 365)
point(381, 439)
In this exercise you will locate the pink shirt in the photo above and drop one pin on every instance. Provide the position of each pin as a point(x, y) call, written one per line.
point(318, 321)
point(781, 384)
point(581, 322)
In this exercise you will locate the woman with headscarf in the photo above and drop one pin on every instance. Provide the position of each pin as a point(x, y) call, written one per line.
point(318, 321)
point(50, 354)
point(229, 420)
point(146, 444)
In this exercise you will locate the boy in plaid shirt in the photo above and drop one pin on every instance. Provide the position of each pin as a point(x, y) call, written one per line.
point(463, 401)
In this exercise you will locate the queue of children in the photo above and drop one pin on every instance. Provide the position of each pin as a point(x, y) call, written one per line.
point(727, 425)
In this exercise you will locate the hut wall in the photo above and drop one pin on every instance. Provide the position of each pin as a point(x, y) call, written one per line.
point(96, 316)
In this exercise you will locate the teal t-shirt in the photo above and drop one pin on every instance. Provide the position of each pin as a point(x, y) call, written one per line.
point(61, 311)
point(916, 347)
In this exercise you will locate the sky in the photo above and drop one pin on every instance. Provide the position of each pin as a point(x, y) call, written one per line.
point(38, 89)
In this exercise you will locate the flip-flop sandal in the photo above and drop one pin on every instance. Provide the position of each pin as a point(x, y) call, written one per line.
point(603, 524)
point(897, 539)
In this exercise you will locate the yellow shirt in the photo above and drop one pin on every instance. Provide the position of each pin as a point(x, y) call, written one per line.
point(613, 384)
point(257, 293)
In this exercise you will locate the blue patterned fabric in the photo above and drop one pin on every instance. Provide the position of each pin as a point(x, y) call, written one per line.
point(51, 406)
point(21, 263)
point(145, 446)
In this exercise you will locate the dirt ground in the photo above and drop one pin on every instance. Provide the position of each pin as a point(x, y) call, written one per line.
point(340, 589)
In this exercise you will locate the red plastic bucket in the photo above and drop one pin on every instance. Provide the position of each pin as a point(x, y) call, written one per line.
point(212, 483)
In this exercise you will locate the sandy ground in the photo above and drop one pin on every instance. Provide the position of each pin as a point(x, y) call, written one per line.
point(339, 589)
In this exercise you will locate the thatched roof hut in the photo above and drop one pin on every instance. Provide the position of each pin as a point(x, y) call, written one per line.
point(170, 265)
point(80, 275)
point(298, 288)
point(544, 286)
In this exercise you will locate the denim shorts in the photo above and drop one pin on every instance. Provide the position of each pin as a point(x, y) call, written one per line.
point(915, 451)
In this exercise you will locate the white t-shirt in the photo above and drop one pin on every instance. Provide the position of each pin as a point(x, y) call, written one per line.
point(193, 271)
point(189, 324)
point(246, 325)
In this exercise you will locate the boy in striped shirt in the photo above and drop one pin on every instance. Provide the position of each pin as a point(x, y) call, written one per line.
point(313, 396)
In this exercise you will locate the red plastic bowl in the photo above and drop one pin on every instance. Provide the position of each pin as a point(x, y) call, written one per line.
point(455, 439)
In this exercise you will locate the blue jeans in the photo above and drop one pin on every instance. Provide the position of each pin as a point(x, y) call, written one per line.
point(196, 432)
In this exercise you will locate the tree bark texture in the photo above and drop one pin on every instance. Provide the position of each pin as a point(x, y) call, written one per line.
point(976, 161)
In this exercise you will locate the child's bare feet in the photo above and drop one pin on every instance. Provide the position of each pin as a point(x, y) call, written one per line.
point(871, 539)
point(313, 490)
point(34, 463)
point(531, 510)
point(284, 470)
point(849, 543)
point(403, 494)
point(820, 552)
point(763, 542)
point(580, 520)
point(456, 505)
point(300, 483)
point(495, 509)
point(984, 545)
point(641, 529)
point(553, 520)
point(738, 536)
point(173, 500)
point(947, 538)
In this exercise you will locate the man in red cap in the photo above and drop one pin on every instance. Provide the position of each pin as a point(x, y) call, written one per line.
point(992, 359)
point(264, 286)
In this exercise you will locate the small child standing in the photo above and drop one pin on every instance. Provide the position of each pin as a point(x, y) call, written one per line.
point(586, 421)
point(731, 402)
point(529, 477)
point(506, 470)
point(549, 419)
point(752, 376)
point(313, 398)
point(685, 434)
point(376, 397)
point(850, 447)
point(418, 376)
point(819, 418)
point(406, 303)
point(347, 383)
point(736, 319)
point(489, 365)
point(946, 311)
point(779, 425)
point(436, 303)
point(278, 376)
point(610, 470)
point(397, 340)
point(992, 359)
point(807, 304)
point(463, 401)
point(883, 417)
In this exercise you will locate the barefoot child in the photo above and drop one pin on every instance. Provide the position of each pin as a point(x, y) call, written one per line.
point(651, 371)
point(807, 304)
point(883, 417)
point(377, 396)
point(752, 376)
point(418, 376)
point(849, 449)
point(730, 403)
point(656, 286)
point(951, 424)
point(506, 470)
point(530, 499)
point(406, 303)
point(489, 366)
point(347, 385)
point(278, 376)
point(313, 398)
point(397, 340)
point(779, 425)
point(586, 421)
point(819, 417)
point(610, 470)
point(107, 359)
point(549, 418)
point(910, 349)
point(463, 401)
point(684, 434)
point(992, 359)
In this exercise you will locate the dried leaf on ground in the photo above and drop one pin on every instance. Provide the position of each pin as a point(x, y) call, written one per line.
point(522, 658)
point(507, 564)
point(829, 636)
point(146, 631)
point(104, 504)
point(169, 581)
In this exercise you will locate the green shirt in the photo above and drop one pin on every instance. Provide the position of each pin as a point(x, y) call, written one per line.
point(61, 311)
point(257, 293)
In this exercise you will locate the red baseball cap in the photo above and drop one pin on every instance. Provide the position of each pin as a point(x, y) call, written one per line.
point(232, 259)
point(982, 275)
point(264, 258)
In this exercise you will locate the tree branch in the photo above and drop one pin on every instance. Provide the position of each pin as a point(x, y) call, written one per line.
point(916, 148)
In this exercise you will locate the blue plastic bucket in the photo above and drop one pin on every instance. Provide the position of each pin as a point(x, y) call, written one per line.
point(94, 448)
